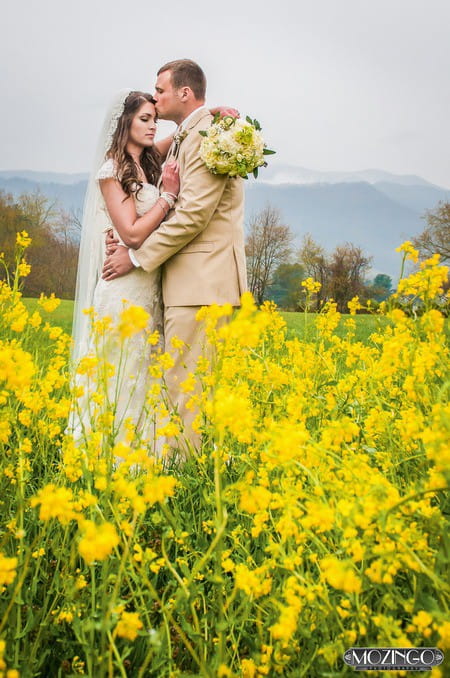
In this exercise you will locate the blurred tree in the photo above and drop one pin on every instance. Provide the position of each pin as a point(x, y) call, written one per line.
point(268, 244)
point(435, 238)
point(285, 287)
point(12, 221)
point(347, 268)
point(380, 288)
point(313, 258)
point(341, 273)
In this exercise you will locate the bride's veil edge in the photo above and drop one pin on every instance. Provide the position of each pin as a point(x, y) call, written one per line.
point(90, 258)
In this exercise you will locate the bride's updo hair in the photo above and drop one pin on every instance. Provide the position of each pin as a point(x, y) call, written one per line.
point(126, 168)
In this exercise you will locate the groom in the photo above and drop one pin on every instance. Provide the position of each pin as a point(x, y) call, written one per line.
point(201, 244)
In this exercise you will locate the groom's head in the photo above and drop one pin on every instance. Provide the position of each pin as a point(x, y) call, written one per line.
point(180, 88)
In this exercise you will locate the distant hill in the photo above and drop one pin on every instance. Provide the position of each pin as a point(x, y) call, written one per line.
point(279, 173)
point(373, 209)
point(44, 177)
point(70, 195)
point(419, 198)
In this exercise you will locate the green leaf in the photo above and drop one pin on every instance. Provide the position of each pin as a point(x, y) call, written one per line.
point(203, 133)
point(248, 118)
point(267, 151)
point(255, 172)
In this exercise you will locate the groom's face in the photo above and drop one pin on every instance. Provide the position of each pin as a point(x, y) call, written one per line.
point(168, 105)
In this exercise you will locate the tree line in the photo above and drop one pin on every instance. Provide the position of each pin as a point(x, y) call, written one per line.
point(275, 269)
point(53, 254)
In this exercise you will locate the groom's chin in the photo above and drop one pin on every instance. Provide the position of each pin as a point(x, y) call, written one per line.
point(161, 116)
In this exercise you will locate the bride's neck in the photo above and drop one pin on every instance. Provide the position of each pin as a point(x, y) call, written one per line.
point(135, 152)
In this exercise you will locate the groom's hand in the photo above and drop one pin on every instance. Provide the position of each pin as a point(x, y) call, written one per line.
point(117, 264)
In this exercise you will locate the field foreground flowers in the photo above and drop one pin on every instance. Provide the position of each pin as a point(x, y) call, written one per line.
point(314, 518)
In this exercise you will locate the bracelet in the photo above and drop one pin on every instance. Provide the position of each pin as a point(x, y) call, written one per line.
point(169, 198)
point(165, 212)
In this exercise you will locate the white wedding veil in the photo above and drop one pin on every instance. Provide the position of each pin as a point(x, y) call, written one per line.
point(92, 240)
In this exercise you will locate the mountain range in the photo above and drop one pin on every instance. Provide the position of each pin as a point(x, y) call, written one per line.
point(373, 209)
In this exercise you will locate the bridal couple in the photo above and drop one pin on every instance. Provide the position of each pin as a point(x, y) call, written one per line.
point(175, 235)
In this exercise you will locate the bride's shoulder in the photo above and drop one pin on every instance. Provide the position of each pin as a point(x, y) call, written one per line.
point(108, 170)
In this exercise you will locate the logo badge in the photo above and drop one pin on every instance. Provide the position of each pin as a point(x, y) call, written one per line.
point(393, 658)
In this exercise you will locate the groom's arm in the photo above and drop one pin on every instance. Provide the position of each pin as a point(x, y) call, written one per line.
point(200, 194)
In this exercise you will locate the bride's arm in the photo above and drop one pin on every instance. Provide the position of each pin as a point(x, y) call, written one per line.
point(163, 145)
point(133, 229)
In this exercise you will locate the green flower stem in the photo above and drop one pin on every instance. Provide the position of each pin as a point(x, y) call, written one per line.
point(92, 643)
point(123, 673)
point(165, 611)
point(221, 520)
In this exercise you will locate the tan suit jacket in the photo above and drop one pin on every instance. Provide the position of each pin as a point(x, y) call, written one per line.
point(201, 244)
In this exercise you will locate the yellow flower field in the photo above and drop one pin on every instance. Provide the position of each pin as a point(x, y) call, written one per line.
point(314, 518)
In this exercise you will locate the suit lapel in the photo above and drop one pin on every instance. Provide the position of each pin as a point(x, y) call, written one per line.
point(175, 146)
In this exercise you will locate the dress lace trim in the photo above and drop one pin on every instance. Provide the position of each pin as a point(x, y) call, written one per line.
point(107, 170)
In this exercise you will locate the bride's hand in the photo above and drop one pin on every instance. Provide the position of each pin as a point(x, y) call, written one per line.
point(170, 177)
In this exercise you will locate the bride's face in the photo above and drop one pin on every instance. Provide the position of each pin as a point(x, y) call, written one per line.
point(143, 126)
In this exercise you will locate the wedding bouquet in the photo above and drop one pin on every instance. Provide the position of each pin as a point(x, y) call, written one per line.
point(233, 146)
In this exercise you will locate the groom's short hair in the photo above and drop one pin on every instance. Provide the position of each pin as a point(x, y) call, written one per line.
point(186, 73)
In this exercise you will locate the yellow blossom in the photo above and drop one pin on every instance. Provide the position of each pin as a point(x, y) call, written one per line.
point(97, 541)
point(253, 582)
point(132, 320)
point(49, 304)
point(55, 502)
point(311, 285)
point(38, 553)
point(23, 269)
point(153, 338)
point(444, 635)
point(7, 569)
point(129, 625)
point(23, 239)
point(354, 305)
point(410, 251)
point(422, 620)
point(340, 574)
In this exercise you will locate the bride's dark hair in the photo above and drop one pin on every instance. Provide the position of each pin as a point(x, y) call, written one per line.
point(126, 168)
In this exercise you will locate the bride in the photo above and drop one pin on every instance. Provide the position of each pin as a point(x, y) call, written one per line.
point(122, 196)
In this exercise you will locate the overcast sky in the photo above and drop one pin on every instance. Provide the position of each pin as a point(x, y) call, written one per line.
point(336, 84)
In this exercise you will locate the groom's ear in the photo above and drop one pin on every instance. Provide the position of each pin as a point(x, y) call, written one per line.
point(184, 93)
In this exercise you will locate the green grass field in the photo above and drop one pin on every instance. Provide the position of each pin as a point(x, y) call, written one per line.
point(62, 316)
point(365, 324)
point(296, 322)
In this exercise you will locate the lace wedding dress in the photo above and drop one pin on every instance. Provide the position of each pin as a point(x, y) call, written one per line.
point(130, 359)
